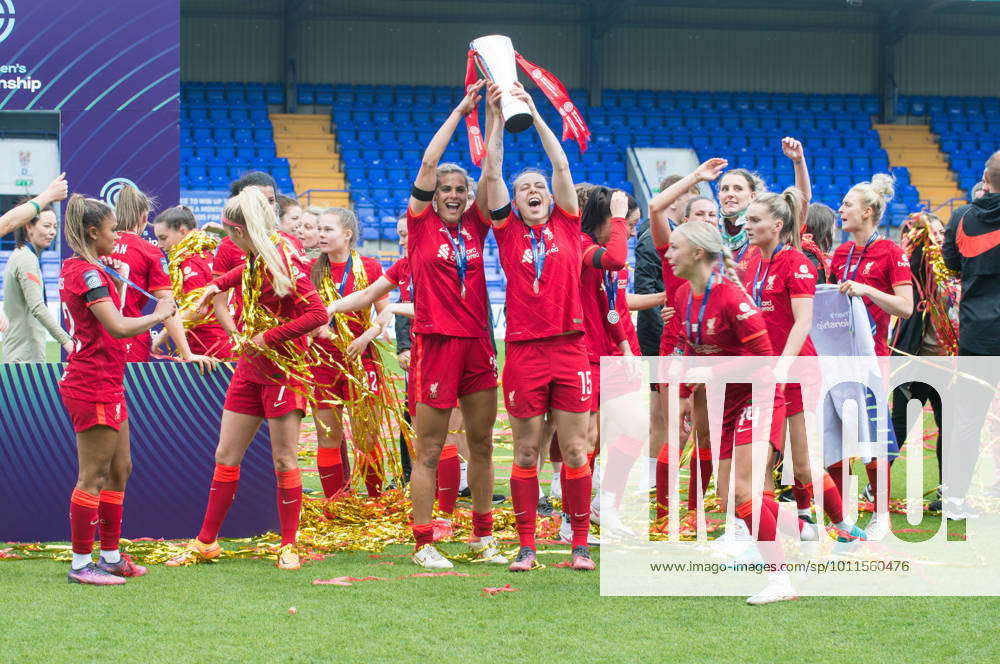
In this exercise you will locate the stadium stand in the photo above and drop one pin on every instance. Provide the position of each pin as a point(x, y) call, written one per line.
point(967, 129)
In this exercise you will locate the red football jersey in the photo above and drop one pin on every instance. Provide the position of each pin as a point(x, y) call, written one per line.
point(399, 274)
point(671, 282)
point(603, 337)
point(373, 269)
point(227, 257)
point(728, 322)
point(95, 371)
point(140, 261)
point(300, 311)
point(196, 272)
point(296, 242)
point(440, 307)
point(774, 284)
point(556, 308)
point(621, 306)
point(882, 266)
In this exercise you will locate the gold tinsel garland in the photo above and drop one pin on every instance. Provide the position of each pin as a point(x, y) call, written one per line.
point(938, 288)
point(194, 243)
point(373, 407)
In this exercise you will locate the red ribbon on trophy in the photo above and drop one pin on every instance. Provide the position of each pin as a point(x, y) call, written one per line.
point(492, 56)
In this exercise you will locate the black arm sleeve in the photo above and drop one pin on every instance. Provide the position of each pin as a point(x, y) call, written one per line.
point(648, 279)
point(949, 250)
point(402, 325)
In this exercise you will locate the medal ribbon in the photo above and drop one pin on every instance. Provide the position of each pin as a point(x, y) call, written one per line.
point(461, 257)
point(758, 281)
point(611, 288)
point(538, 252)
point(850, 255)
point(696, 338)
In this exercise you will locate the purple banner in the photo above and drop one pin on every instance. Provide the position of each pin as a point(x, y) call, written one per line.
point(174, 417)
point(111, 68)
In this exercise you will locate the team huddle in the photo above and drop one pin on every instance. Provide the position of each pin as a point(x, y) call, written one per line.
point(739, 277)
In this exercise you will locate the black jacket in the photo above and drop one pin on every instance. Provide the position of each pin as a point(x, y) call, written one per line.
point(972, 247)
point(402, 334)
point(648, 279)
point(908, 336)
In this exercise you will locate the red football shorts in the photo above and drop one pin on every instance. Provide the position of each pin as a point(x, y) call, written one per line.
point(89, 414)
point(737, 425)
point(548, 373)
point(268, 400)
point(331, 387)
point(445, 368)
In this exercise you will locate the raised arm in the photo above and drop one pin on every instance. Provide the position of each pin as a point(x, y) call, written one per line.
point(497, 195)
point(792, 148)
point(563, 190)
point(22, 214)
point(427, 176)
point(659, 226)
point(614, 254)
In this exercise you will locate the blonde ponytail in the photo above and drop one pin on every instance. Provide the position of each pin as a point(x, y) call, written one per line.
point(83, 213)
point(786, 206)
point(131, 209)
point(250, 209)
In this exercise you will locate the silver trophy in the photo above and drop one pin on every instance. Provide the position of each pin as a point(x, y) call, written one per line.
point(494, 55)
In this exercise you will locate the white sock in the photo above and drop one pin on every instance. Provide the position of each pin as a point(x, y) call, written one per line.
point(463, 476)
point(804, 512)
point(652, 473)
point(111, 557)
point(81, 560)
point(843, 525)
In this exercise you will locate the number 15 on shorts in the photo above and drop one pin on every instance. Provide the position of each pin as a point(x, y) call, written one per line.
point(586, 387)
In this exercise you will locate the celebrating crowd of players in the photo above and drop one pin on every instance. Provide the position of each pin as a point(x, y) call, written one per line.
point(290, 298)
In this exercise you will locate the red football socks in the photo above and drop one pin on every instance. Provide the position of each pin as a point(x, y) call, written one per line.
point(701, 468)
point(372, 463)
point(769, 548)
point(225, 481)
point(449, 473)
point(331, 469)
point(577, 501)
point(836, 472)
point(423, 533)
point(803, 495)
point(524, 495)
point(482, 524)
point(82, 520)
point(662, 482)
point(289, 503)
point(873, 479)
point(833, 501)
point(109, 512)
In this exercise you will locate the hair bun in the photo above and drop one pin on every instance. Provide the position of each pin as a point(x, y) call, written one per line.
point(884, 185)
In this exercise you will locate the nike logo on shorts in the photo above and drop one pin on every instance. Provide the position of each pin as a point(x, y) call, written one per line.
point(94, 523)
point(279, 404)
point(323, 477)
point(288, 502)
